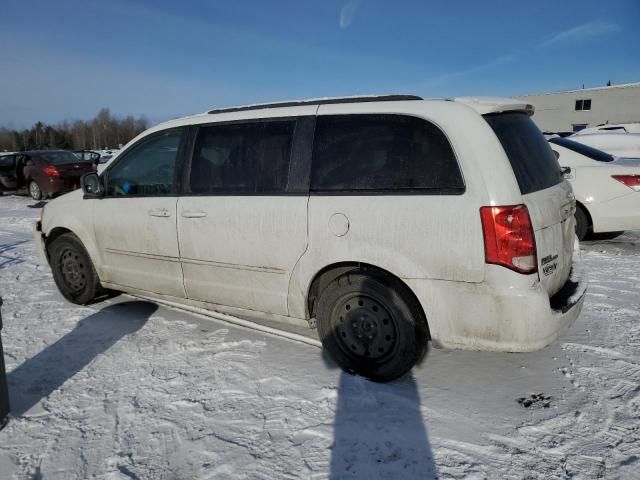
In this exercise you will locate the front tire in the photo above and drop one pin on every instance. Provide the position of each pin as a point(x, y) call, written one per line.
point(34, 190)
point(73, 271)
point(371, 327)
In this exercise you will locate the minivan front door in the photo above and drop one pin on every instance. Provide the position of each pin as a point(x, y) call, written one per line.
point(135, 223)
point(242, 225)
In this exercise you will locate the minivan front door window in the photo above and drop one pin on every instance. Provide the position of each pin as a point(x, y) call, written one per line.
point(148, 169)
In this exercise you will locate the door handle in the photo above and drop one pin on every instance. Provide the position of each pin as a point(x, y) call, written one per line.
point(194, 214)
point(159, 212)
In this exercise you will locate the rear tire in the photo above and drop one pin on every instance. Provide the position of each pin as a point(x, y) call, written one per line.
point(582, 223)
point(34, 190)
point(371, 327)
point(73, 271)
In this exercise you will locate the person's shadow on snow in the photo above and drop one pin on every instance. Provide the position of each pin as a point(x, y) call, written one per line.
point(379, 431)
point(39, 376)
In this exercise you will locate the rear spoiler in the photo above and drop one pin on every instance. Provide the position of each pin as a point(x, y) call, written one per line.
point(489, 105)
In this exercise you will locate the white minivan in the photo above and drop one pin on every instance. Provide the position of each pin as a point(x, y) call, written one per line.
point(387, 222)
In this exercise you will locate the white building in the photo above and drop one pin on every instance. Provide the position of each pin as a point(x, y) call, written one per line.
point(574, 110)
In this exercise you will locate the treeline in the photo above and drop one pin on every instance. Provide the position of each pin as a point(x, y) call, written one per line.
point(103, 132)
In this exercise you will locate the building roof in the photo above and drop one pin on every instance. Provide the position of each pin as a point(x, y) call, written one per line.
point(622, 85)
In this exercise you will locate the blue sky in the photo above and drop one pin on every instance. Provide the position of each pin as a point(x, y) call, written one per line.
point(66, 59)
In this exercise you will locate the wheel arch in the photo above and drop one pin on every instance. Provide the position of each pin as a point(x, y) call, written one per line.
point(57, 231)
point(332, 271)
point(53, 235)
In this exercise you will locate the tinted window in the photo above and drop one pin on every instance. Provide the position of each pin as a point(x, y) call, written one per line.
point(532, 160)
point(382, 153)
point(242, 158)
point(55, 157)
point(592, 153)
point(7, 161)
point(148, 169)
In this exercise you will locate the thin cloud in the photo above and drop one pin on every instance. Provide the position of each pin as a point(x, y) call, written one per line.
point(448, 77)
point(581, 32)
point(348, 12)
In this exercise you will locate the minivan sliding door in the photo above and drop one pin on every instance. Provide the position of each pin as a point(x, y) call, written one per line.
point(242, 220)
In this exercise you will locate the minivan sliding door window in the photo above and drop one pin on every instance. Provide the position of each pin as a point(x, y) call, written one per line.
point(242, 158)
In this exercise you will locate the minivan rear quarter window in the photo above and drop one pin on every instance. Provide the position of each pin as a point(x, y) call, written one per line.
point(532, 160)
point(382, 153)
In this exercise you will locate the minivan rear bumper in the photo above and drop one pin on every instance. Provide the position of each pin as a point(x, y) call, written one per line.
point(519, 317)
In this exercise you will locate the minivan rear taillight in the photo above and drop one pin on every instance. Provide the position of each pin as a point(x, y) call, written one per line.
point(631, 181)
point(51, 171)
point(508, 238)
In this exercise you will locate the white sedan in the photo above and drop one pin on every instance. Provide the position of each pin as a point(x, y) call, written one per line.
point(607, 190)
point(615, 143)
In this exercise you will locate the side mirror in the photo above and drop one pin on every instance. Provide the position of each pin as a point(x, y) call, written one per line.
point(91, 184)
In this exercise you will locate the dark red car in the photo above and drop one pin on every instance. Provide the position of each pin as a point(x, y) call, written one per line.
point(43, 172)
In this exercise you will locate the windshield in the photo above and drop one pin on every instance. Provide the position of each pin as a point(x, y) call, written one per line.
point(592, 153)
point(57, 157)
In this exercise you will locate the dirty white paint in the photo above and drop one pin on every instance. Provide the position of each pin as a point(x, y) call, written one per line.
point(261, 253)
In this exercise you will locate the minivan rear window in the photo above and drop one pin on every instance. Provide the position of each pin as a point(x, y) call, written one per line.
point(532, 160)
point(382, 153)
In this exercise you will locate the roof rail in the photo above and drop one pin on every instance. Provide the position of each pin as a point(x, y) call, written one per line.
point(319, 101)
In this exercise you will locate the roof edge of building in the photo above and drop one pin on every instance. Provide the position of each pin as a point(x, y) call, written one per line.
point(590, 89)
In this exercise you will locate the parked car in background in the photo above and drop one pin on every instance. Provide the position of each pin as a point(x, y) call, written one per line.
point(607, 189)
point(386, 221)
point(106, 155)
point(49, 172)
point(11, 172)
point(88, 156)
point(610, 128)
point(616, 144)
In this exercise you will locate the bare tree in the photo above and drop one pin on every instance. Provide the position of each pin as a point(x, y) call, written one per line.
point(103, 131)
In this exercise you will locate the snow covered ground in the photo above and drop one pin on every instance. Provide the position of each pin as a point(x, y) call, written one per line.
point(126, 389)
